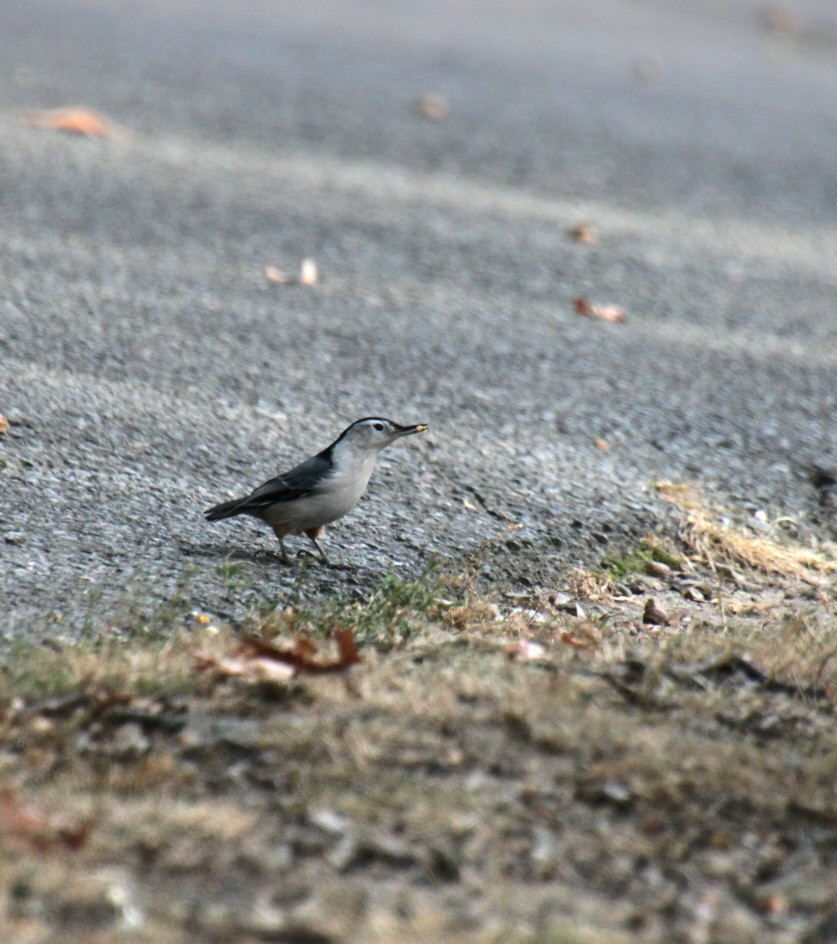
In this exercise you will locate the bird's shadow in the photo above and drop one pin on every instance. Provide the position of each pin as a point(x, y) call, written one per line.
point(300, 558)
point(225, 552)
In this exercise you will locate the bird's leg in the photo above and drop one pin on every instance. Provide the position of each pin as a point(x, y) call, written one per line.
point(313, 534)
point(279, 534)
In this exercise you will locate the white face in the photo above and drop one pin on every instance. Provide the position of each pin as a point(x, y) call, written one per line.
point(376, 432)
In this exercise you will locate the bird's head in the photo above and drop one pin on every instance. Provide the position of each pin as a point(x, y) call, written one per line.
point(373, 433)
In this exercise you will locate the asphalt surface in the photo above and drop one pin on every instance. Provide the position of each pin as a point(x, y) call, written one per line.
point(148, 369)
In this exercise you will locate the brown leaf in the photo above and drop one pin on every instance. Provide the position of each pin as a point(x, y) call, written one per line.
point(4, 425)
point(584, 233)
point(432, 107)
point(257, 660)
point(300, 657)
point(583, 636)
point(34, 828)
point(779, 19)
point(81, 121)
point(612, 313)
point(654, 614)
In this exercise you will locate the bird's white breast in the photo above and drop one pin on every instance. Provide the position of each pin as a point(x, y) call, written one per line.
point(337, 495)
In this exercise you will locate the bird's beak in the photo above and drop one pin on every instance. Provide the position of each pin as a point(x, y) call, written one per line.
point(409, 430)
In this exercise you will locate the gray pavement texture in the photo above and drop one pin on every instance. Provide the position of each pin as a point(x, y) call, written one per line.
point(149, 369)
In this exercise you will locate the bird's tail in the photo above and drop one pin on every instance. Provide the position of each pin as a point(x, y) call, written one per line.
point(224, 510)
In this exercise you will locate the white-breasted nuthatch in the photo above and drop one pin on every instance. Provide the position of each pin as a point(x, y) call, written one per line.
point(321, 489)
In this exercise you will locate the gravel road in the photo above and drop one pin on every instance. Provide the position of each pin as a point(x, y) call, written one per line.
point(148, 368)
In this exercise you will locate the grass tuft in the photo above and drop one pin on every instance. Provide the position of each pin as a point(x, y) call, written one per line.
point(716, 541)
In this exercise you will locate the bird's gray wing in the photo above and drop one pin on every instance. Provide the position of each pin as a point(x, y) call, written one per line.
point(304, 479)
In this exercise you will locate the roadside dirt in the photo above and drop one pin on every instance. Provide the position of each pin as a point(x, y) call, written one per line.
point(550, 768)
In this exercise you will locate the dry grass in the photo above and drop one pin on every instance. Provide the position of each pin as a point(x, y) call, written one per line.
point(715, 541)
point(494, 769)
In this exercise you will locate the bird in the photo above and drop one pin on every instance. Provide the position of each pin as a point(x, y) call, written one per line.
point(321, 489)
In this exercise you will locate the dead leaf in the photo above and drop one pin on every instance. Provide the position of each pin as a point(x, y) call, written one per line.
point(300, 657)
point(524, 650)
point(582, 635)
point(77, 120)
point(654, 614)
point(432, 107)
point(254, 670)
point(307, 274)
point(257, 660)
point(277, 277)
point(584, 233)
point(780, 20)
point(646, 68)
point(775, 904)
point(20, 821)
point(611, 313)
point(4, 425)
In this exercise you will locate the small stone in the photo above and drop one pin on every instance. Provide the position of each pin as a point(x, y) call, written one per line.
point(130, 741)
point(328, 821)
point(657, 568)
point(544, 854)
point(642, 584)
point(358, 851)
point(654, 614)
point(610, 791)
point(442, 864)
point(564, 603)
point(14, 537)
point(736, 925)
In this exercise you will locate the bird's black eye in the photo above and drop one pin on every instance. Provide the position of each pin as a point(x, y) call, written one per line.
point(379, 426)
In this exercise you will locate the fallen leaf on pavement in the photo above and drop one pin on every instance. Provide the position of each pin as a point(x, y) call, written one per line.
point(584, 233)
point(79, 121)
point(432, 107)
point(4, 425)
point(20, 821)
point(307, 274)
point(276, 277)
point(612, 313)
point(780, 20)
point(646, 68)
